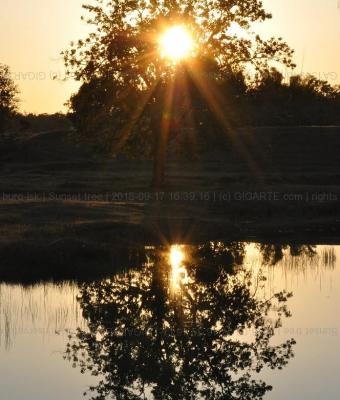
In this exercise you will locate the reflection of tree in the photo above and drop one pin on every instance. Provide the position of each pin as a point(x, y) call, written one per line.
point(210, 258)
point(150, 339)
point(273, 253)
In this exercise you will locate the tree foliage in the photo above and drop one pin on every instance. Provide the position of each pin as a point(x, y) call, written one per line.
point(8, 96)
point(124, 43)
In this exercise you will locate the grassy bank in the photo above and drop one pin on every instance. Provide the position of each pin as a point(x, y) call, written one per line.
point(263, 182)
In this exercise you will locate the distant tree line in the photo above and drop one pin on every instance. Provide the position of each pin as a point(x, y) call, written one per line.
point(43, 122)
point(303, 100)
point(268, 99)
point(12, 121)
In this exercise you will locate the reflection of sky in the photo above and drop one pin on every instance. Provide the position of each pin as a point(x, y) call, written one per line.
point(39, 310)
point(34, 357)
point(32, 331)
point(315, 324)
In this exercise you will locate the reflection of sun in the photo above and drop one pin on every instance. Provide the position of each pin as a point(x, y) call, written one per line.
point(178, 272)
point(176, 256)
point(176, 43)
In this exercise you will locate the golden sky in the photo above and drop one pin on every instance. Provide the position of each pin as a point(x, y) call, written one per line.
point(34, 32)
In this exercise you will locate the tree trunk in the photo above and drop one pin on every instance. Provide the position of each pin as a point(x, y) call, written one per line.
point(160, 159)
point(162, 138)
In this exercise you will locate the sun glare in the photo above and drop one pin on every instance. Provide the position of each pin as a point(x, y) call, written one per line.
point(176, 43)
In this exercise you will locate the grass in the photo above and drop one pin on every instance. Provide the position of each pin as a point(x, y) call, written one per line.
point(52, 190)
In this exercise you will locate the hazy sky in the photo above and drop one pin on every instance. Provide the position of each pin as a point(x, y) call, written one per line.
point(34, 32)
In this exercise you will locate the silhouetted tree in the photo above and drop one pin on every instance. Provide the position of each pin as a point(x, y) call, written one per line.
point(8, 96)
point(160, 331)
point(209, 259)
point(128, 85)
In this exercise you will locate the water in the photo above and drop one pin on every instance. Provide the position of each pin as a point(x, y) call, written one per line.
point(184, 323)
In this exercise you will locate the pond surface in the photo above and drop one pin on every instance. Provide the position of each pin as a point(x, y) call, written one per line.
point(218, 320)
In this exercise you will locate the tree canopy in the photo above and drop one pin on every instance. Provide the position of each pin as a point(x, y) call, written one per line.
point(125, 40)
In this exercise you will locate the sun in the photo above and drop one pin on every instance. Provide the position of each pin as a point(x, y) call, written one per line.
point(176, 43)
